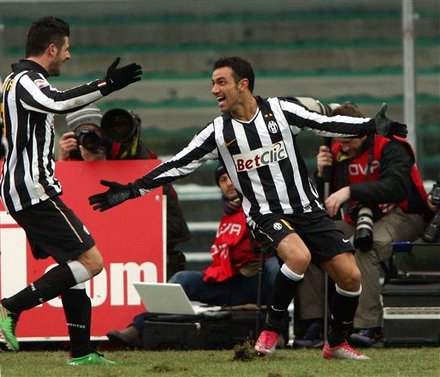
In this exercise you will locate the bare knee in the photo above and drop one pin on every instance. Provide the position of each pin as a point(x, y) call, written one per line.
point(97, 267)
point(350, 281)
point(344, 271)
point(294, 253)
point(298, 262)
point(92, 260)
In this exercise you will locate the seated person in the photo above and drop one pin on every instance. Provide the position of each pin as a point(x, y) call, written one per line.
point(379, 175)
point(115, 135)
point(232, 277)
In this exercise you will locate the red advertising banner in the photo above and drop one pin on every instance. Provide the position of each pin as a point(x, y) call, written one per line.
point(131, 237)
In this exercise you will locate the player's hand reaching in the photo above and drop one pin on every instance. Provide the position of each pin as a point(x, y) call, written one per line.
point(116, 194)
point(387, 127)
point(118, 78)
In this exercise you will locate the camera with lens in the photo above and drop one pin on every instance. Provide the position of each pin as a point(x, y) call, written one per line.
point(89, 139)
point(432, 231)
point(119, 125)
point(363, 237)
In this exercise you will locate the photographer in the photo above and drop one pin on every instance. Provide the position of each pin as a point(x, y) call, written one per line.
point(376, 187)
point(84, 140)
point(116, 136)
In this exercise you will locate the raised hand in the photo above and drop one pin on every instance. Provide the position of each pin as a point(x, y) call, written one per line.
point(387, 127)
point(118, 78)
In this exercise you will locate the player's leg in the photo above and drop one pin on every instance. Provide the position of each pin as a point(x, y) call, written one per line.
point(343, 270)
point(296, 256)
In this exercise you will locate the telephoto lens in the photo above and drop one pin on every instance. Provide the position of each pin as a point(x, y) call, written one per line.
point(119, 125)
point(363, 239)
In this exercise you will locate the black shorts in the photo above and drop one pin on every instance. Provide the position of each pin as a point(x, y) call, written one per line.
point(52, 229)
point(316, 230)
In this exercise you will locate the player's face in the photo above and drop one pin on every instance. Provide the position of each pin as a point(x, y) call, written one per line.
point(227, 187)
point(62, 54)
point(225, 89)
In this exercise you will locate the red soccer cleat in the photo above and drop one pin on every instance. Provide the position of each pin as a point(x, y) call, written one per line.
point(342, 351)
point(267, 342)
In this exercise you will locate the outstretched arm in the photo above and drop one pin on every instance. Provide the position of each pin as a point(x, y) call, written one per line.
point(341, 125)
point(202, 148)
point(38, 95)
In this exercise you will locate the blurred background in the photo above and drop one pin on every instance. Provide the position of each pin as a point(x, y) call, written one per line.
point(335, 51)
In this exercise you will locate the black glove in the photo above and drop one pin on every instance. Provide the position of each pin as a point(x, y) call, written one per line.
point(387, 127)
point(118, 78)
point(115, 195)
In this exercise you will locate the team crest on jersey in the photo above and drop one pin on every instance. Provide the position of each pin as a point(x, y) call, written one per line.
point(40, 83)
point(260, 157)
point(277, 226)
point(272, 126)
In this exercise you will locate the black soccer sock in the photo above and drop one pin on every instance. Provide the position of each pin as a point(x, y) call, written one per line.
point(343, 308)
point(47, 287)
point(284, 290)
point(78, 311)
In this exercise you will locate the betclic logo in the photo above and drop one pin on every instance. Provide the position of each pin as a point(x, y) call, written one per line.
point(260, 157)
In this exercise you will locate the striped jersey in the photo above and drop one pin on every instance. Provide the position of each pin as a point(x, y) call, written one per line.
point(28, 106)
point(261, 155)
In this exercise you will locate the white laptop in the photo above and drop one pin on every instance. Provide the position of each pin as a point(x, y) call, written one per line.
point(168, 298)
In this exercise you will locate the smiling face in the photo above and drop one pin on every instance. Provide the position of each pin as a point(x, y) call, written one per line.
point(60, 56)
point(225, 89)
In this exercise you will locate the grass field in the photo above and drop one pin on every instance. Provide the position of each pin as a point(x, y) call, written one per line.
point(390, 362)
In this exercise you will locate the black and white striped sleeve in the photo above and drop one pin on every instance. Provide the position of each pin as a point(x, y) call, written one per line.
point(36, 94)
point(202, 148)
point(337, 126)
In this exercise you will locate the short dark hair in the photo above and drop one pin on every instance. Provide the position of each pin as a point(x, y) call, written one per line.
point(349, 109)
point(45, 31)
point(241, 68)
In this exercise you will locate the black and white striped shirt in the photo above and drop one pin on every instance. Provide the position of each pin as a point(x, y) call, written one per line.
point(261, 156)
point(29, 103)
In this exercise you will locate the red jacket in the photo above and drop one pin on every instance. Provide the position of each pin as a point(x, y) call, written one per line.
point(231, 249)
point(357, 174)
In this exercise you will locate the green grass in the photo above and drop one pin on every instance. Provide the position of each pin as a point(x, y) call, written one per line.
point(390, 362)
